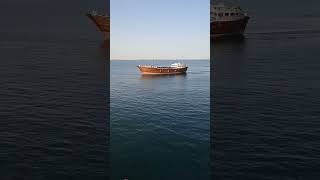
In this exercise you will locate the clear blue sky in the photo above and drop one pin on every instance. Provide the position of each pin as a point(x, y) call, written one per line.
point(160, 29)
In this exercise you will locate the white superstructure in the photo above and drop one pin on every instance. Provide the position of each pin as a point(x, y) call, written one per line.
point(226, 12)
point(178, 65)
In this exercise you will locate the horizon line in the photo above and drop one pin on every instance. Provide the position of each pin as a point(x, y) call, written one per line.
point(201, 59)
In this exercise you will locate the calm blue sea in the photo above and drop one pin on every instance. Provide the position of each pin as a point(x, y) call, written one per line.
point(160, 124)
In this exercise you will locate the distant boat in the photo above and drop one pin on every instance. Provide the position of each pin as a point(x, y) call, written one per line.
point(175, 68)
point(102, 22)
point(227, 20)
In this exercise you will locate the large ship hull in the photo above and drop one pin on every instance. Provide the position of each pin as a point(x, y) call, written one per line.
point(103, 24)
point(228, 28)
point(161, 70)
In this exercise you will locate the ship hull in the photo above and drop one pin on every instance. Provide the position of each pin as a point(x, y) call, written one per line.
point(228, 28)
point(102, 23)
point(158, 71)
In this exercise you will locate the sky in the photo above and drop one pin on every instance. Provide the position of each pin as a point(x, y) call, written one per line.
point(160, 29)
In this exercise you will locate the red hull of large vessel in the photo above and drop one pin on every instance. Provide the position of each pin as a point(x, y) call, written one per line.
point(228, 28)
point(162, 70)
point(103, 24)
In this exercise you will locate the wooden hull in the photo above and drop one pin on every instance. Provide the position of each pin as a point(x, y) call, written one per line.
point(161, 70)
point(103, 24)
point(228, 28)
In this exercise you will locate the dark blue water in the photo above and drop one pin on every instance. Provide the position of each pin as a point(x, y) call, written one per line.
point(266, 95)
point(53, 92)
point(159, 124)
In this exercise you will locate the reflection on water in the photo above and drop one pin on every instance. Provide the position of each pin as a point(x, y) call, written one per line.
point(163, 76)
point(105, 48)
point(229, 60)
point(235, 38)
point(230, 49)
point(234, 41)
point(103, 58)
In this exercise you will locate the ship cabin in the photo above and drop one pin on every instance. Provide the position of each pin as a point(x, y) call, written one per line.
point(222, 12)
point(178, 65)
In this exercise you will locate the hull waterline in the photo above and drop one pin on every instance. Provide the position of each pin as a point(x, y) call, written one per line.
point(162, 70)
point(221, 29)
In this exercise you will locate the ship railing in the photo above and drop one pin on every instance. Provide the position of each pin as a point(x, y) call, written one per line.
point(95, 12)
point(147, 66)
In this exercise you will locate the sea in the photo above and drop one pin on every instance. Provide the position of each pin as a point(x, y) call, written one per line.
point(265, 95)
point(54, 91)
point(160, 124)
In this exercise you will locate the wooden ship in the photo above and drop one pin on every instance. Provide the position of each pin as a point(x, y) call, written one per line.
point(175, 68)
point(227, 19)
point(102, 21)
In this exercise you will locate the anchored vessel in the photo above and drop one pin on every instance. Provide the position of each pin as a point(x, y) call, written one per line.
point(227, 20)
point(102, 22)
point(175, 68)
